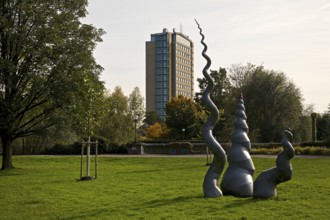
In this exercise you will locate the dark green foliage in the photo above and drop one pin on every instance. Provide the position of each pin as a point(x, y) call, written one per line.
point(323, 127)
point(272, 104)
point(151, 118)
point(316, 144)
point(312, 151)
point(183, 118)
point(46, 67)
point(117, 125)
point(67, 149)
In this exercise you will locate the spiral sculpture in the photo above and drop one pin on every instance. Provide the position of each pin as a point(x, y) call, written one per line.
point(210, 185)
point(266, 182)
point(237, 179)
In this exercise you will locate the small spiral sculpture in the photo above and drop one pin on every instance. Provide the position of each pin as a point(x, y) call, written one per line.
point(265, 184)
point(210, 185)
point(238, 178)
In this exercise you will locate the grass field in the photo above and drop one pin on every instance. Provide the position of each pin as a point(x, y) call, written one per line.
point(47, 187)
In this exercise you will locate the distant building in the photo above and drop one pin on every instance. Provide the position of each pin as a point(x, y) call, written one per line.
point(169, 69)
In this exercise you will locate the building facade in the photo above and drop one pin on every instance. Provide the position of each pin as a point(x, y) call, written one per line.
point(169, 69)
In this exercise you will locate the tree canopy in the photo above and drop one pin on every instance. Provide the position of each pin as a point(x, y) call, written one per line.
point(273, 102)
point(117, 125)
point(46, 55)
point(183, 117)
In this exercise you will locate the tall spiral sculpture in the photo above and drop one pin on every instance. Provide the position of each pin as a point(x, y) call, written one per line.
point(237, 179)
point(265, 184)
point(210, 185)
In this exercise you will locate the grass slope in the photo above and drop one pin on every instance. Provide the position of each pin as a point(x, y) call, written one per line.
point(47, 187)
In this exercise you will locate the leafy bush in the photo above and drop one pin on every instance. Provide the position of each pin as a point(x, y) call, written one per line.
point(298, 151)
point(117, 149)
point(74, 148)
point(312, 151)
point(316, 144)
point(266, 151)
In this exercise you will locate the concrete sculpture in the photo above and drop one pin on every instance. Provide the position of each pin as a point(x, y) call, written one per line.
point(210, 185)
point(266, 182)
point(237, 179)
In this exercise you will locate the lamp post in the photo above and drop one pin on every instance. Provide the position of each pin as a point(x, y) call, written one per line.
point(135, 122)
point(183, 130)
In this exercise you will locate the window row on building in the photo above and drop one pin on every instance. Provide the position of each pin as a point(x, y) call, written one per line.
point(184, 74)
point(183, 80)
point(161, 64)
point(185, 94)
point(183, 67)
point(163, 50)
point(161, 43)
point(161, 99)
point(162, 85)
point(183, 54)
point(162, 57)
point(183, 40)
point(184, 61)
point(161, 78)
point(183, 87)
point(158, 37)
point(183, 48)
point(162, 71)
point(160, 91)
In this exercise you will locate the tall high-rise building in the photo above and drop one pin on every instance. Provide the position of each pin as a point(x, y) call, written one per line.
point(169, 69)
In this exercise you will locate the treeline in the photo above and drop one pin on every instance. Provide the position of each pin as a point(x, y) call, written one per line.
point(272, 101)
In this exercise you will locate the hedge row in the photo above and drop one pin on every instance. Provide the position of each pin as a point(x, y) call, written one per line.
point(316, 144)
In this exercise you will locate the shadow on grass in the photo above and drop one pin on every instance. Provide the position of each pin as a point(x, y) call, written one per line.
point(245, 201)
point(163, 202)
point(12, 172)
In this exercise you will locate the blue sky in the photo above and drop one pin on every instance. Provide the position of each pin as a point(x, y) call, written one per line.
point(291, 36)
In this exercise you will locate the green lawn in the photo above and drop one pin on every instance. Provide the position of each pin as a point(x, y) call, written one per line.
point(47, 187)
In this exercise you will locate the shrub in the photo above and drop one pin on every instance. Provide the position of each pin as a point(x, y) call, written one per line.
point(74, 148)
point(117, 149)
point(316, 144)
point(267, 151)
point(312, 151)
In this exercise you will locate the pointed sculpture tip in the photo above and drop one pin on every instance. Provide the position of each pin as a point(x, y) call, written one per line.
point(196, 21)
point(241, 96)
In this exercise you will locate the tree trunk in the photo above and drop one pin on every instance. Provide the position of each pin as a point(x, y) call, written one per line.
point(7, 162)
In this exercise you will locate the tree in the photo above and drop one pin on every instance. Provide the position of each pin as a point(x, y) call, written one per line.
point(44, 60)
point(304, 126)
point(183, 116)
point(221, 87)
point(151, 118)
point(117, 125)
point(136, 105)
point(239, 74)
point(323, 126)
point(273, 103)
point(157, 131)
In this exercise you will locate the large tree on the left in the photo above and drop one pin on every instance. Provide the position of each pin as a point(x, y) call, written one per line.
point(46, 54)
